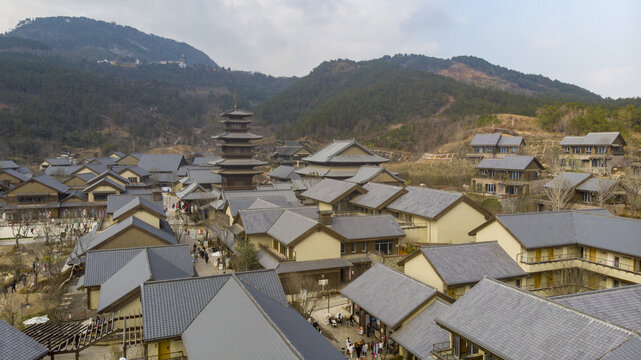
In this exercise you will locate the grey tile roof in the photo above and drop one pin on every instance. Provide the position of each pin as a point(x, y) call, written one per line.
point(512, 162)
point(115, 202)
point(288, 150)
point(238, 204)
point(367, 227)
point(206, 160)
point(103, 181)
point(421, 332)
point(282, 172)
point(312, 265)
point(189, 189)
point(289, 195)
point(629, 350)
point(266, 260)
point(567, 179)
point(124, 281)
point(593, 138)
point(97, 168)
point(514, 324)
point(8, 164)
point(331, 154)
point(377, 195)
point(20, 176)
point(367, 173)
point(118, 154)
point(330, 190)
point(92, 240)
point(262, 204)
point(387, 294)
point(597, 185)
point(469, 263)
point(587, 228)
point(620, 306)
point(134, 169)
point(170, 306)
point(485, 139)
point(59, 161)
point(61, 171)
point(510, 141)
point(86, 176)
point(51, 182)
point(290, 226)
point(161, 162)
point(16, 345)
point(204, 176)
point(428, 203)
point(258, 221)
point(102, 264)
point(139, 202)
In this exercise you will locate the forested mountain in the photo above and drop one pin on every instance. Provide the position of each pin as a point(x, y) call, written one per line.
point(48, 103)
point(98, 40)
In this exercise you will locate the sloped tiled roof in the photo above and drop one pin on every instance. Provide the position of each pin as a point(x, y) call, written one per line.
point(387, 294)
point(238, 204)
point(312, 265)
point(469, 263)
point(428, 203)
point(486, 139)
point(377, 195)
point(367, 227)
point(289, 195)
point(160, 162)
point(115, 202)
point(256, 326)
point(282, 172)
point(8, 164)
point(593, 138)
point(139, 202)
point(14, 344)
point(170, 306)
point(567, 179)
point(290, 226)
point(512, 162)
point(203, 176)
point(16, 174)
point(59, 161)
point(510, 141)
point(258, 221)
point(367, 173)
point(587, 228)
point(331, 154)
point(620, 306)
point(514, 324)
point(597, 185)
point(330, 190)
point(61, 170)
point(421, 332)
point(51, 182)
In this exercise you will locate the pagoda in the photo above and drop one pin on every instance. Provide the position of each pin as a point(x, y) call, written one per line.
point(238, 166)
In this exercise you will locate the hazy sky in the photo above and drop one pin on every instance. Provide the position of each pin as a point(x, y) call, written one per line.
point(593, 44)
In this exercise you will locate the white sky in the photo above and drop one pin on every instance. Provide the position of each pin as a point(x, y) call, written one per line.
point(593, 44)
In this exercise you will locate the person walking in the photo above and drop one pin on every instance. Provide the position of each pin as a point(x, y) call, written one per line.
point(13, 286)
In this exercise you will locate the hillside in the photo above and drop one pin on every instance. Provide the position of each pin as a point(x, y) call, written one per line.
point(98, 40)
point(478, 72)
point(49, 104)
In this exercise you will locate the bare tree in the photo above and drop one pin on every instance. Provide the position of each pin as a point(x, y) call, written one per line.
point(304, 292)
point(605, 191)
point(632, 185)
point(9, 307)
point(559, 192)
point(19, 225)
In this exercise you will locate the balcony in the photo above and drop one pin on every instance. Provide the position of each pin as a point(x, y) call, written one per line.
point(275, 254)
point(443, 351)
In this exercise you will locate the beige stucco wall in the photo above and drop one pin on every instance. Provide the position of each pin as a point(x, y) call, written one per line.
point(260, 239)
point(150, 219)
point(128, 174)
point(86, 170)
point(324, 206)
point(75, 181)
point(452, 228)
point(12, 179)
point(132, 238)
point(496, 232)
point(318, 245)
point(130, 307)
point(420, 233)
point(31, 188)
point(128, 160)
point(420, 269)
point(93, 295)
point(103, 189)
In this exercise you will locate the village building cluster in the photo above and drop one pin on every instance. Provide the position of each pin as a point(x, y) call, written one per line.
point(424, 273)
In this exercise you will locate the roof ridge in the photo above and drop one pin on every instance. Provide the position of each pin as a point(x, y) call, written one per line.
point(269, 319)
point(559, 305)
point(154, 282)
point(150, 275)
point(458, 245)
point(405, 275)
point(592, 292)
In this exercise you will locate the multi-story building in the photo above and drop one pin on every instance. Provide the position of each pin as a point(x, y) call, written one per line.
point(594, 152)
point(581, 191)
point(495, 146)
point(568, 251)
point(509, 176)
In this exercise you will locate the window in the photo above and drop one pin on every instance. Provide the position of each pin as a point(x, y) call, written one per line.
point(566, 149)
point(489, 357)
point(588, 149)
point(384, 247)
point(513, 149)
point(615, 283)
point(478, 149)
point(30, 199)
point(490, 188)
point(364, 246)
point(484, 172)
point(283, 250)
point(515, 175)
point(576, 149)
point(353, 247)
point(492, 172)
point(616, 261)
point(518, 283)
point(489, 149)
point(342, 248)
point(562, 162)
point(504, 149)
point(600, 150)
point(587, 197)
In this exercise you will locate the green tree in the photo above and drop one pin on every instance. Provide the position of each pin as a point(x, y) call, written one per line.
point(244, 257)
